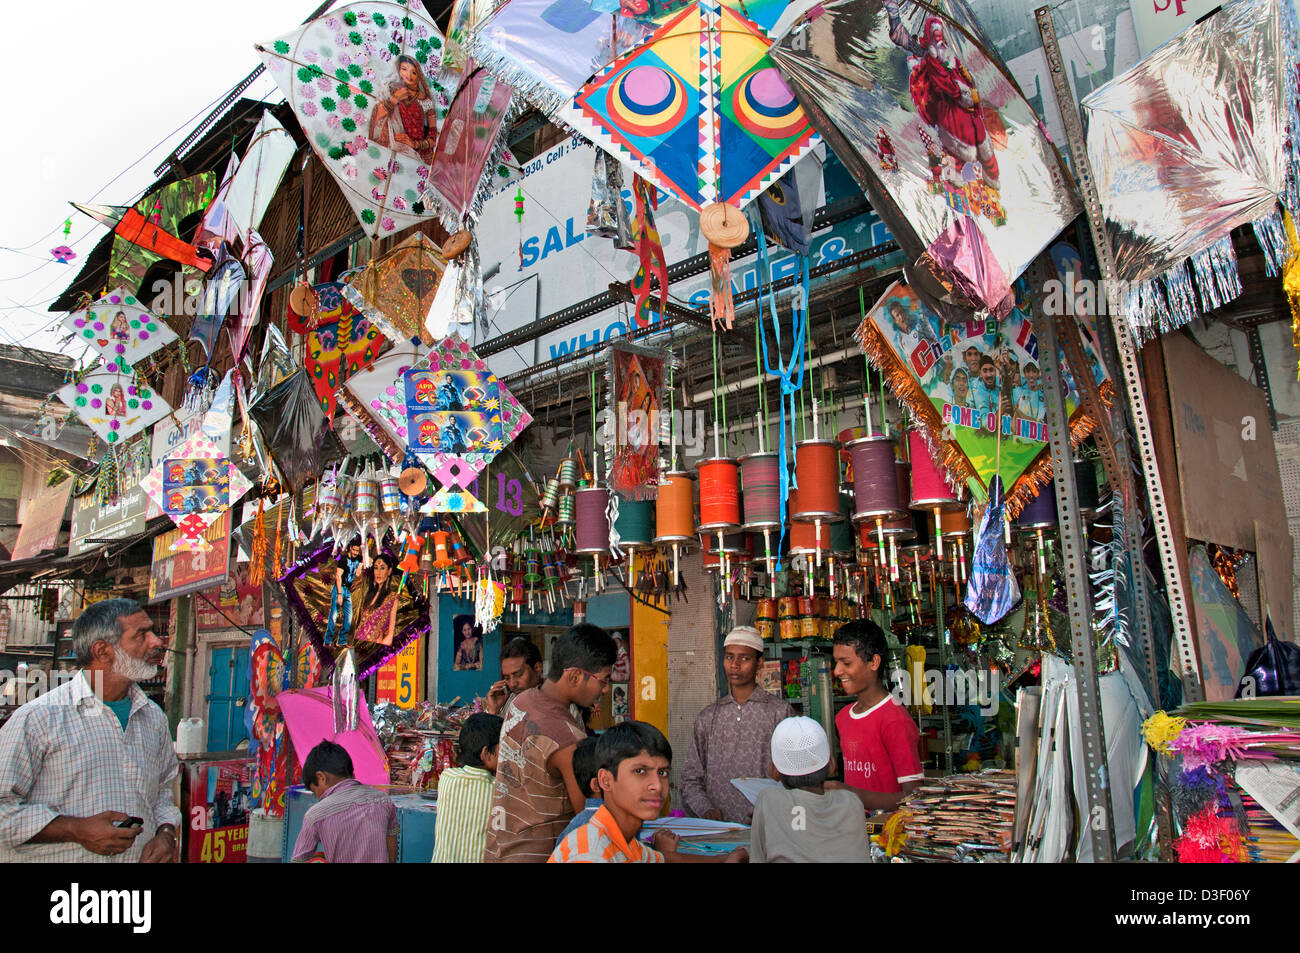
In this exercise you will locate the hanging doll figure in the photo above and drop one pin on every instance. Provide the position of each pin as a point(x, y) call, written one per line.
point(340, 617)
point(380, 603)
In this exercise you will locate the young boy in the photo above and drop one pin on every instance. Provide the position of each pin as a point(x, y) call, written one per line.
point(353, 823)
point(634, 760)
point(801, 822)
point(879, 741)
point(465, 793)
point(585, 767)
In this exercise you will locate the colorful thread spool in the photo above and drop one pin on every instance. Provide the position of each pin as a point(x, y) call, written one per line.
point(929, 486)
point(875, 479)
point(635, 524)
point(817, 471)
point(719, 494)
point(567, 511)
point(675, 515)
point(551, 496)
point(803, 536)
point(954, 523)
point(760, 475)
point(592, 533)
point(1039, 512)
point(568, 473)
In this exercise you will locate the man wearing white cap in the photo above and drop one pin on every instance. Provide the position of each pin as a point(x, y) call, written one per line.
point(732, 735)
point(801, 822)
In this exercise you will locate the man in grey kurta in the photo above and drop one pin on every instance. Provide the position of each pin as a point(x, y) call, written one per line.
point(732, 737)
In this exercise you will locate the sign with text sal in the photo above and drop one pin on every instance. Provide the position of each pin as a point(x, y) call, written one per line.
point(963, 382)
point(176, 573)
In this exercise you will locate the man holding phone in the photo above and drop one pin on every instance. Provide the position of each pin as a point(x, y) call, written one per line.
point(86, 770)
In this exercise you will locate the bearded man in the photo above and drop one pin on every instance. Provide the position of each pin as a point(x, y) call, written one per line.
point(86, 770)
point(944, 93)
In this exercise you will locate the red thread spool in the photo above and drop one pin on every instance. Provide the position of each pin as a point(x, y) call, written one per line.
point(803, 536)
point(675, 508)
point(929, 488)
point(719, 494)
point(592, 531)
point(817, 471)
point(875, 479)
point(761, 474)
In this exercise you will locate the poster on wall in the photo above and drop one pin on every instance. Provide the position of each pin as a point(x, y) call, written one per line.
point(237, 602)
point(176, 573)
point(636, 396)
point(217, 799)
point(467, 644)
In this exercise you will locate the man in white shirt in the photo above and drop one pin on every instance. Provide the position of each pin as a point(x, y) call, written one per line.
point(86, 770)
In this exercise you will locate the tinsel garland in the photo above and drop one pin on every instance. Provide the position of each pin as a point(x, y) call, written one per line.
point(1109, 579)
point(257, 569)
point(1210, 839)
point(357, 411)
point(1162, 729)
point(277, 566)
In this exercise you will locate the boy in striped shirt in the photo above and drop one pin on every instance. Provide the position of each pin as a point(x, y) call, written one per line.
point(634, 759)
point(465, 793)
point(353, 823)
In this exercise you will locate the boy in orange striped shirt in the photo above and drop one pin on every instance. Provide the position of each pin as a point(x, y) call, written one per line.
point(634, 759)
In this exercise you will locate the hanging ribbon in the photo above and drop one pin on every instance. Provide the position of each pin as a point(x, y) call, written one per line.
point(721, 307)
point(789, 372)
point(650, 251)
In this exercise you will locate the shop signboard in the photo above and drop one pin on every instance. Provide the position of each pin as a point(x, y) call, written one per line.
point(42, 521)
point(177, 573)
point(399, 677)
point(217, 802)
point(1157, 21)
point(93, 525)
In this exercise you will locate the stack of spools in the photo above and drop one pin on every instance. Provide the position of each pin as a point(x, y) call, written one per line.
point(719, 508)
point(876, 493)
point(675, 515)
point(1039, 514)
point(817, 473)
point(566, 511)
point(635, 526)
point(930, 490)
point(761, 475)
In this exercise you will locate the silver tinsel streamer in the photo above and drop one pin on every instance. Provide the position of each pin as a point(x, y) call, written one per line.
point(1271, 234)
point(611, 514)
point(1109, 579)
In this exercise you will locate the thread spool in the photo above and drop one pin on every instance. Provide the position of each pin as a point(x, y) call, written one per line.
point(875, 479)
point(592, 533)
point(761, 476)
point(635, 524)
point(719, 494)
point(1039, 512)
point(551, 496)
point(788, 618)
point(1085, 481)
point(817, 471)
point(765, 620)
point(675, 515)
point(954, 523)
point(568, 473)
point(929, 486)
point(922, 530)
point(566, 514)
point(367, 499)
point(803, 536)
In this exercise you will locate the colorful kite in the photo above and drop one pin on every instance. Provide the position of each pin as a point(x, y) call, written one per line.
point(119, 328)
point(395, 292)
point(194, 484)
point(935, 131)
point(114, 404)
point(363, 82)
point(336, 351)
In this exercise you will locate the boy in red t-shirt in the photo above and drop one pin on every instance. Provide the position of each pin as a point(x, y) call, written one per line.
point(878, 740)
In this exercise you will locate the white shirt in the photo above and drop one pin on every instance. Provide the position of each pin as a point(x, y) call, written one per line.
point(66, 753)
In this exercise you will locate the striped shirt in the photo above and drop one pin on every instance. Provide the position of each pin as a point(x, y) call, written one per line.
point(66, 753)
point(530, 804)
point(351, 822)
point(599, 841)
point(464, 803)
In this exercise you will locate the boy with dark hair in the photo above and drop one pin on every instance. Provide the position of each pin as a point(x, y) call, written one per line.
point(521, 669)
point(635, 761)
point(536, 793)
point(465, 793)
point(585, 768)
point(878, 740)
point(801, 821)
point(353, 823)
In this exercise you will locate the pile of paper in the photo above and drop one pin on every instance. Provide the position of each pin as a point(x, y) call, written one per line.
point(962, 817)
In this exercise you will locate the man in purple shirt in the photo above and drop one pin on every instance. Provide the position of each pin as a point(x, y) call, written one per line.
point(353, 823)
point(732, 737)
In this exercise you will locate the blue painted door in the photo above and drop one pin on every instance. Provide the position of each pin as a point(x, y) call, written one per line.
point(227, 697)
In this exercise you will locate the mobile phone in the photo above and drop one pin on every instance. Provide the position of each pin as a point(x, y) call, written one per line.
point(130, 822)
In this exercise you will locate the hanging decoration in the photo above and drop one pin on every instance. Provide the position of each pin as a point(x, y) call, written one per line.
point(1175, 178)
point(993, 590)
point(63, 254)
point(336, 351)
point(363, 82)
point(725, 228)
point(961, 382)
point(607, 214)
point(193, 485)
point(148, 231)
point(119, 328)
point(218, 302)
point(295, 431)
point(636, 397)
point(395, 292)
point(934, 130)
point(254, 183)
point(376, 398)
point(459, 415)
point(113, 404)
point(650, 251)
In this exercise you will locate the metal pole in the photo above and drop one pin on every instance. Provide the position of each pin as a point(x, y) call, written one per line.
point(1185, 657)
point(1100, 817)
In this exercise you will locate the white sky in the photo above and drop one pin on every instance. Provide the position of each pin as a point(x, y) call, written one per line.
point(107, 84)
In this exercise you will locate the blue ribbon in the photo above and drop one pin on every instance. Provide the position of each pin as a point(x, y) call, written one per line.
point(790, 372)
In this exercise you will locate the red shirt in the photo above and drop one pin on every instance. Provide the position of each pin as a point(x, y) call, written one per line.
point(879, 747)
